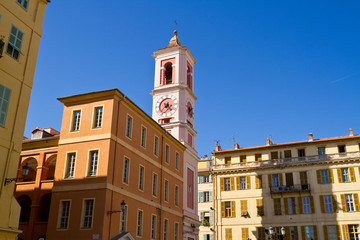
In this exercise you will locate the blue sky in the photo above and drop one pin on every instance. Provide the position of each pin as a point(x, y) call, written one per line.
point(265, 68)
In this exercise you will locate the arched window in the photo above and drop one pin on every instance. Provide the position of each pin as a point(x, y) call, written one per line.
point(25, 204)
point(168, 73)
point(44, 207)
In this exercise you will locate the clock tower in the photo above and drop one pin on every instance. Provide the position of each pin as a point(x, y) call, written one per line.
point(174, 109)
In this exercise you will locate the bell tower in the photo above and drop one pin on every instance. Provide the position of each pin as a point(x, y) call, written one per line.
point(173, 94)
point(174, 108)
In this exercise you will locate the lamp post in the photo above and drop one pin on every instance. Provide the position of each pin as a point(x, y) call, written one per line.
point(25, 172)
point(122, 208)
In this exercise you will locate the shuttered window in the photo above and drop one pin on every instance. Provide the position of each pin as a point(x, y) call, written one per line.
point(258, 182)
point(346, 175)
point(243, 183)
point(332, 232)
point(227, 184)
point(244, 207)
point(350, 202)
point(307, 205)
point(303, 178)
point(15, 42)
point(244, 233)
point(258, 157)
point(290, 207)
point(260, 233)
point(228, 209)
point(4, 103)
point(260, 207)
point(242, 158)
point(309, 232)
point(228, 234)
point(277, 206)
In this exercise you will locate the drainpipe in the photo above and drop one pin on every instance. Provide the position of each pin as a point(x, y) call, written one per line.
point(113, 174)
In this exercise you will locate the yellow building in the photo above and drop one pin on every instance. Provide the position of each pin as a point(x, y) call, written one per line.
point(299, 190)
point(205, 197)
point(20, 33)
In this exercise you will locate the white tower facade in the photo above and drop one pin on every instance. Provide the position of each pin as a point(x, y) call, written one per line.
point(173, 108)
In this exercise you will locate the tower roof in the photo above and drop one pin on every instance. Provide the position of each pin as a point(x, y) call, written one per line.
point(174, 41)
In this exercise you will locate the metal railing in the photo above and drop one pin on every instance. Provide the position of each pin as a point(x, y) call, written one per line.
point(293, 188)
point(287, 161)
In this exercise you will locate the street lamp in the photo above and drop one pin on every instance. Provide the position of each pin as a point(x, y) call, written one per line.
point(273, 235)
point(25, 172)
point(122, 208)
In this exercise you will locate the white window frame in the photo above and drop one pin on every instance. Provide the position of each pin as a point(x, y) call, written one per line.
point(62, 215)
point(153, 226)
point(75, 121)
point(93, 166)
point(141, 178)
point(98, 118)
point(123, 219)
point(154, 184)
point(88, 214)
point(126, 171)
point(139, 223)
point(129, 126)
point(143, 137)
point(70, 165)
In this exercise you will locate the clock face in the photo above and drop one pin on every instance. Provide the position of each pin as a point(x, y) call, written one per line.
point(166, 105)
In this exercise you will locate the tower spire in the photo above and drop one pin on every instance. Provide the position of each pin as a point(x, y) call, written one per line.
point(174, 41)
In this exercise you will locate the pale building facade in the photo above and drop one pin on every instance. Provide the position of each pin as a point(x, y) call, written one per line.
point(311, 188)
point(205, 199)
point(20, 33)
point(173, 108)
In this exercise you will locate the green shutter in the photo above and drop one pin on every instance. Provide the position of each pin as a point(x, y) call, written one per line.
point(4, 103)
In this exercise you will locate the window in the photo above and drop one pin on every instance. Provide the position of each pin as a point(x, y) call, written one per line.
point(275, 180)
point(166, 223)
point(139, 223)
point(290, 207)
point(98, 117)
point(154, 185)
point(261, 233)
point(346, 175)
point(293, 233)
point(332, 232)
point(88, 213)
point(176, 196)
point(341, 149)
point(156, 146)
point(15, 42)
point(205, 196)
point(242, 158)
point(328, 204)
point(353, 232)
point(243, 208)
point(260, 207)
point(277, 206)
point(153, 226)
point(309, 232)
point(321, 151)
point(227, 184)
point(301, 152)
point(4, 103)
point(243, 183)
point(228, 209)
point(176, 230)
point(177, 158)
point(348, 202)
point(141, 177)
point(274, 155)
point(190, 140)
point(303, 178)
point(306, 205)
point(76, 121)
point(126, 170)
point(166, 190)
point(143, 136)
point(258, 182)
point(258, 157)
point(70, 166)
point(227, 160)
point(64, 214)
point(123, 216)
point(129, 126)
point(228, 233)
point(244, 234)
point(93, 163)
point(167, 153)
point(23, 3)
point(208, 237)
point(325, 176)
point(287, 153)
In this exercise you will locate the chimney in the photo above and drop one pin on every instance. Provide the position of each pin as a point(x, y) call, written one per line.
point(217, 146)
point(351, 133)
point(311, 137)
point(236, 146)
point(268, 142)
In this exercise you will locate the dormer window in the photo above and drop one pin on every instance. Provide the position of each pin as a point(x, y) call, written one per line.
point(168, 73)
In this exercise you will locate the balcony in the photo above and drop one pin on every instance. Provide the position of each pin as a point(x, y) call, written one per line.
point(288, 161)
point(291, 189)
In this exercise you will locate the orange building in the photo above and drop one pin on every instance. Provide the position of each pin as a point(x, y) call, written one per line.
point(109, 151)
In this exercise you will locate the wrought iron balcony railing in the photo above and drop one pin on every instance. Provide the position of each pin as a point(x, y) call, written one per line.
point(288, 161)
point(293, 188)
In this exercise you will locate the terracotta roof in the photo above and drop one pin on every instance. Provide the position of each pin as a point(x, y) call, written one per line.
point(290, 143)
